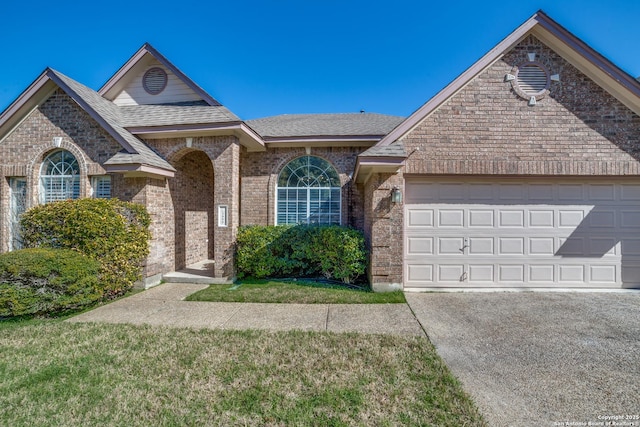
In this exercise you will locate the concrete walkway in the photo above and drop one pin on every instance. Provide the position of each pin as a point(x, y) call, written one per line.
point(165, 305)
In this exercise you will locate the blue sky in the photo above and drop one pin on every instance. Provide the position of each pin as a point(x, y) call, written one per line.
point(262, 58)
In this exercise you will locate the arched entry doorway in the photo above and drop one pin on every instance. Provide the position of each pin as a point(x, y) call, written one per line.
point(192, 194)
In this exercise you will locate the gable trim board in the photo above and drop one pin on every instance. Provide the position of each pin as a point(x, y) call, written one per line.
point(505, 192)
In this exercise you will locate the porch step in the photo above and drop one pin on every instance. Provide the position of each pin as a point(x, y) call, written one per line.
point(179, 277)
point(200, 273)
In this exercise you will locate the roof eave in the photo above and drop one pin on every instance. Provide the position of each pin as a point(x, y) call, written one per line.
point(138, 170)
point(247, 137)
point(368, 165)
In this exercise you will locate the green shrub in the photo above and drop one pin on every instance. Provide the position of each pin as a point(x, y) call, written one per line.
point(46, 281)
point(304, 251)
point(340, 253)
point(114, 232)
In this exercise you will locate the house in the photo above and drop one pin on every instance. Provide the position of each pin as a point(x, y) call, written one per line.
point(524, 172)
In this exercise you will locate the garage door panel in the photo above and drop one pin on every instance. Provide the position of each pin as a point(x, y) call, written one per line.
point(571, 273)
point(511, 218)
point(601, 192)
point(451, 272)
point(603, 246)
point(420, 273)
point(631, 247)
point(420, 218)
point(570, 217)
point(481, 218)
point(511, 246)
point(451, 218)
point(630, 219)
point(631, 273)
point(542, 273)
point(541, 193)
point(511, 192)
point(481, 192)
point(541, 246)
point(420, 246)
point(573, 192)
point(602, 219)
point(481, 246)
point(574, 246)
point(603, 274)
point(481, 273)
point(541, 218)
point(450, 245)
point(455, 191)
point(630, 192)
point(522, 233)
point(511, 273)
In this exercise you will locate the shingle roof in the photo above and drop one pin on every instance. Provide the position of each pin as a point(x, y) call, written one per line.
point(392, 150)
point(163, 115)
point(346, 124)
point(136, 151)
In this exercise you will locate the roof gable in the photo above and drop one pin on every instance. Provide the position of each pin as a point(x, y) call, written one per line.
point(125, 87)
point(136, 155)
point(602, 71)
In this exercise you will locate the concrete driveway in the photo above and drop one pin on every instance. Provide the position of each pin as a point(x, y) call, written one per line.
point(540, 359)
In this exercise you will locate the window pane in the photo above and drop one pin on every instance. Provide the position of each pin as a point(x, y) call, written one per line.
point(308, 192)
point(59, 177)
point(101, 187)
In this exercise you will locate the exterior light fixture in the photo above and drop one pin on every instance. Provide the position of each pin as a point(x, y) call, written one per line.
point(396, 195)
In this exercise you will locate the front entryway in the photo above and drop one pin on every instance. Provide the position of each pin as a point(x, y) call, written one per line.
point(192, 192)
point(521, 233)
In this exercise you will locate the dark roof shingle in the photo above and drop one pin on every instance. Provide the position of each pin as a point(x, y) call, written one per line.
point(345, 124)
point(164, 115)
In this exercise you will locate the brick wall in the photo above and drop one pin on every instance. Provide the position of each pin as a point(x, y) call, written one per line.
point(23, 150)
point(383, 226)
point(192, 191)
point(259, 175)
point(486, 128)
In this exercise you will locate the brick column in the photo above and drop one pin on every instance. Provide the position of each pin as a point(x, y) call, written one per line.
point(226, 171)
point(384, 231)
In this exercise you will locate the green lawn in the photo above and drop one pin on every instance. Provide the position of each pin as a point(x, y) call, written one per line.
point(59, 374)
point(300, 292)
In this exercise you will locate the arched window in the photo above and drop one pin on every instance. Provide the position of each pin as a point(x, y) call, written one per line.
point(308, 192)
point(59, 177)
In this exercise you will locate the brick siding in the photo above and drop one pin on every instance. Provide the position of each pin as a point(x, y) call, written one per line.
point(259, 175)
point(486, 128)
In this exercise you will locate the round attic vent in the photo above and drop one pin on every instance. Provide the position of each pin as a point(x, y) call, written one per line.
point(154, 80)
point(532, 79)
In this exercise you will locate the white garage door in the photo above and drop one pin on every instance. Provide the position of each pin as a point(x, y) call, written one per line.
point(525, 234)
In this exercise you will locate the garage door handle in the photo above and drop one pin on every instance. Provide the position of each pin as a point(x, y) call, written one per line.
point(465, 246)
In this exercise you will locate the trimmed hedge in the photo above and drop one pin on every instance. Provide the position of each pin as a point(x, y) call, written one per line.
point(304, 251)
point(46, 281)
point(113, 232)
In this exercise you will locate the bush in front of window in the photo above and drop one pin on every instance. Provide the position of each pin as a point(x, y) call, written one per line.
point(46, 281)
point(335, 252)
point(111, 231)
